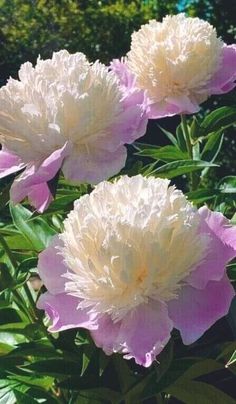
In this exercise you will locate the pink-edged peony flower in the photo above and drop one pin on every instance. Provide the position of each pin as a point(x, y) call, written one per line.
point(136, 259)
point(180, 62)
point(65, 113)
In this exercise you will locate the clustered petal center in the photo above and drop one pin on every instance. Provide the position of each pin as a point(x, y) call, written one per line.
point(129, 242)
point(175, 58)
point(60, 99)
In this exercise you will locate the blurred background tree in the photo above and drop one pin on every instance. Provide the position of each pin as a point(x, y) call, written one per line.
point(102, 29)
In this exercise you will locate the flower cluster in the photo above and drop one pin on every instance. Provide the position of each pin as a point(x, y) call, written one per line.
point(136, 259)
point(70, 114)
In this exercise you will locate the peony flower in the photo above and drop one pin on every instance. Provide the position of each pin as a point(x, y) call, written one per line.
point(180, 62)
point(65, 113)
point(136, 259)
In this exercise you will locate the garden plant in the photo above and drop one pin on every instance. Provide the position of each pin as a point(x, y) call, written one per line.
point(117, 256)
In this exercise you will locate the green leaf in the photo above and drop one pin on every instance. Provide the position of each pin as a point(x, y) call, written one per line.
point(18, 242)
point(9, 316)
point(28, 264)
point(125, 376)
point(231, 360)
point(36, 231)
point(171, 170)
point(6, 279)
point(55, 367)
point(195, 128)
point(231, 270)
point(202, 195)
point(201, 368)
point(7, 388)
point(169, 136)
point(212, 147)
point(177, 368)
point(5, 348)
point(219, 119)
point(181, 139)
point(23, 398)
point(35, 349)
point(100, 395)
point(45, 382)
point(227, 185)
point(5, 196)
point(11, 338)
point(194, 392)
point(149, 385)
point(62, 201)
point(166, 153)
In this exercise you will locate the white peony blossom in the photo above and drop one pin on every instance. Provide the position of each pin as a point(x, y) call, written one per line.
point(62, 99)
point(175, 58)
point(128, 242)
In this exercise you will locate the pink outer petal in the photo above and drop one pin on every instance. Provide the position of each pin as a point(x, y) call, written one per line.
point(51, 267)
point(119, 67)
point(221, 227)
point(141, 335)
point(9, 163)
point(172, 106)
point(133, 123)
point(28, 182)
point(95, 165)
point(194, 311)
point(222, 248)
point(62, 311)
point(106, 334)
point(223, 80)
point(40, 197)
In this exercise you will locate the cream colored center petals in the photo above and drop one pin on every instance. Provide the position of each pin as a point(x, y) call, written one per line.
point(176, 57)
point(63, 98)
point(128, 242)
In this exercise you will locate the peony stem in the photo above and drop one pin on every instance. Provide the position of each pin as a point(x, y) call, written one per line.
point(194, 179)
point(187, 135)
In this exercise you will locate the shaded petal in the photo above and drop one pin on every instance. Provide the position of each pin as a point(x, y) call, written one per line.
point(194, 311)
point(106, 334)
point(127, 79)
point(40, 197)
point(144, 332)
point(51, 267)
point(221, 249)
point(34, 176)
point(172, 106)
point(224, 79)
point(94, 165)
point(62, 311)
point(9, 163)
point(133, 123)
point(141, 335)
point(221, 227)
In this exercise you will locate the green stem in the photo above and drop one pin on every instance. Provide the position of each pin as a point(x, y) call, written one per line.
point(8, 252)
point(194, 178)
point(187, 135)
point(31, 301)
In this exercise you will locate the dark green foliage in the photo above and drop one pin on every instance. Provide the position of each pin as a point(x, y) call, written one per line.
point(100, 29)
